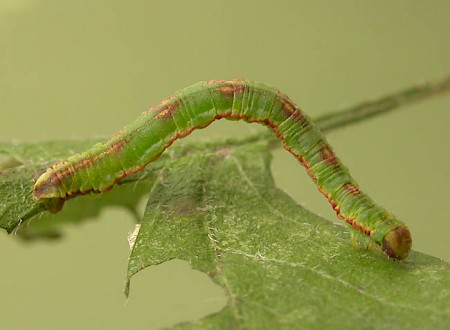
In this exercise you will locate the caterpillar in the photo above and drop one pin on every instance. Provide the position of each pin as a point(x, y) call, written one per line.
point(144, 140)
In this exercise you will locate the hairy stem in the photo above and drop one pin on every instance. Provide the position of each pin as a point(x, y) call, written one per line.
point(365, 110)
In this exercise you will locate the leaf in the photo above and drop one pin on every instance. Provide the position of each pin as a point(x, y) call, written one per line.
point(279, 265)
point(15, 192)
point(44, 152)
point(216, 206)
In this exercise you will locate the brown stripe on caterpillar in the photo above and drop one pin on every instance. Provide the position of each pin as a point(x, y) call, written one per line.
point(114, 148)
point(40, 172)
point(290, 109)
point(42, 187)
point(225, 81)
point(167, 110)
point(57, 177)
point(333, 204)
point(352, 222)
point(229, 88)
point(351, 188)
point(159, 105)
point(358, 227)
point(55, 180)
point(328, 156)
point(62, 162)
point(302, 160)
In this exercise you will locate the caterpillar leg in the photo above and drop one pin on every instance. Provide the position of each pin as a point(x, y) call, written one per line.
point(53, 205)
point(364, 242)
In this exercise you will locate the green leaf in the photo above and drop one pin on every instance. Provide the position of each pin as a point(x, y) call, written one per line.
point(216, 206)
point(279, 265)
point(44, 152)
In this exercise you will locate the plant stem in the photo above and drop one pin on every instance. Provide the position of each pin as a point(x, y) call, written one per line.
point(363, 111)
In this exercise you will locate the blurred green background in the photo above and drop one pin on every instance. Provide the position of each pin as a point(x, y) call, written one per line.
point(87, 68)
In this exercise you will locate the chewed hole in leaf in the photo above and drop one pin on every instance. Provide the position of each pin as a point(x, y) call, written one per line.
point(174, 285)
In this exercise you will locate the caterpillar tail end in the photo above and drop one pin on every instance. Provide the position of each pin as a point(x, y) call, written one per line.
point(397, 243)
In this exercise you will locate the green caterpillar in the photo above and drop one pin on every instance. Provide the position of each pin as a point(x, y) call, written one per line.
point(143, 141)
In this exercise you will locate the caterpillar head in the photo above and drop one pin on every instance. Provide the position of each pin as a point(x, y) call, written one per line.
point(397, 243)
point(47, 190)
